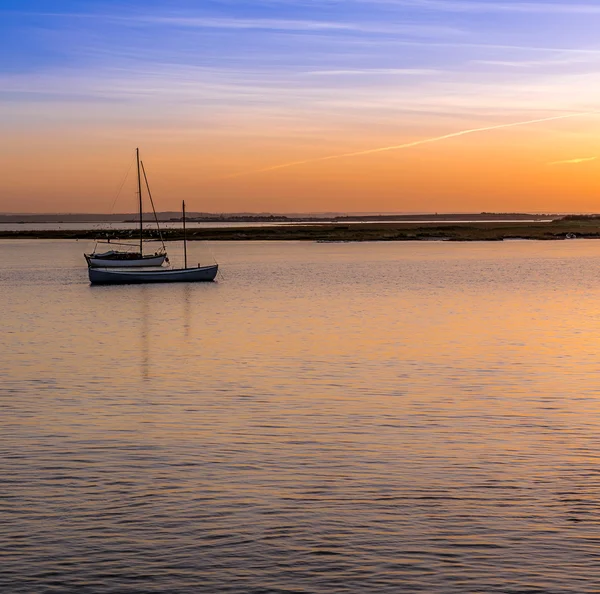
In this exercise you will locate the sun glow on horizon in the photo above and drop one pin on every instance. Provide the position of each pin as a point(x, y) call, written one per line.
point(270, 110)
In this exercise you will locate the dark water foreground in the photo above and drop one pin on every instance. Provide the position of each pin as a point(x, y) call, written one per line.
point(398, 417)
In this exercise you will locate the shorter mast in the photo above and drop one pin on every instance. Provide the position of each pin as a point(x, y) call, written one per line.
point(184, 238)
point(137, 155)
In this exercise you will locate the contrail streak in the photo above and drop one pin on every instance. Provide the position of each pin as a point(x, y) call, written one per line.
point(573, 161)
point(408, 144)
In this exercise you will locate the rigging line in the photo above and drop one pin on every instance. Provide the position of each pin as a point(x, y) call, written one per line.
point(212, 254)
point(112, 208)
point(152, 203)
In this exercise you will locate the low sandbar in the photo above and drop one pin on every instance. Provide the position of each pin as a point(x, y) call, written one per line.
point(336, 232)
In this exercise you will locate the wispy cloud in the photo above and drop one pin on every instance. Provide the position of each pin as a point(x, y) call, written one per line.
point(243, 23)
point(486, 7)
point(451, 5)
point(185, 93)
point(574, 161)
point(571, 60)
point(375, 71)
point(267, 24)
point(467, 45)
point(263, 24)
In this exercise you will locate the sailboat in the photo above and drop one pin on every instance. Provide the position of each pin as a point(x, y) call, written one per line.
point(120, 276)
point(129, 259)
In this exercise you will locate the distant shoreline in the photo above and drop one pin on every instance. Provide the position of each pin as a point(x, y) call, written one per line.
point(579, 227)
point(170, 217)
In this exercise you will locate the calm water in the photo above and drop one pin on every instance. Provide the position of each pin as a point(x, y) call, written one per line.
point(398, 417)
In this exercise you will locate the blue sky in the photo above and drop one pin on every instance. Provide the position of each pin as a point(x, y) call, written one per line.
point(375, 38)
point(306, 73)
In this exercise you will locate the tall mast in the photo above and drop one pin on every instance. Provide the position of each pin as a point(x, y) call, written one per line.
point(137, 156)
point(184, 238)
point(153, 209)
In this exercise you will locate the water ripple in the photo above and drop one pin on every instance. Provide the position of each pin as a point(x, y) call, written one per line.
point(332, 418)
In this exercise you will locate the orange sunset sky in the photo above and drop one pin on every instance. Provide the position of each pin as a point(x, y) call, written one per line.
point(221, 97)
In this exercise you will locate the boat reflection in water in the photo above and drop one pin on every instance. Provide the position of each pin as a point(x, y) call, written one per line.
point(182, 300)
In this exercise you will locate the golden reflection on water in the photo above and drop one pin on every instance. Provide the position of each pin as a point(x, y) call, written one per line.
point(145, 341)
point(187, 312)
point(426, 412)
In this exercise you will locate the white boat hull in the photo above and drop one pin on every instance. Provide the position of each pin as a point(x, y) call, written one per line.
point(95, 262)
point(113, 276)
